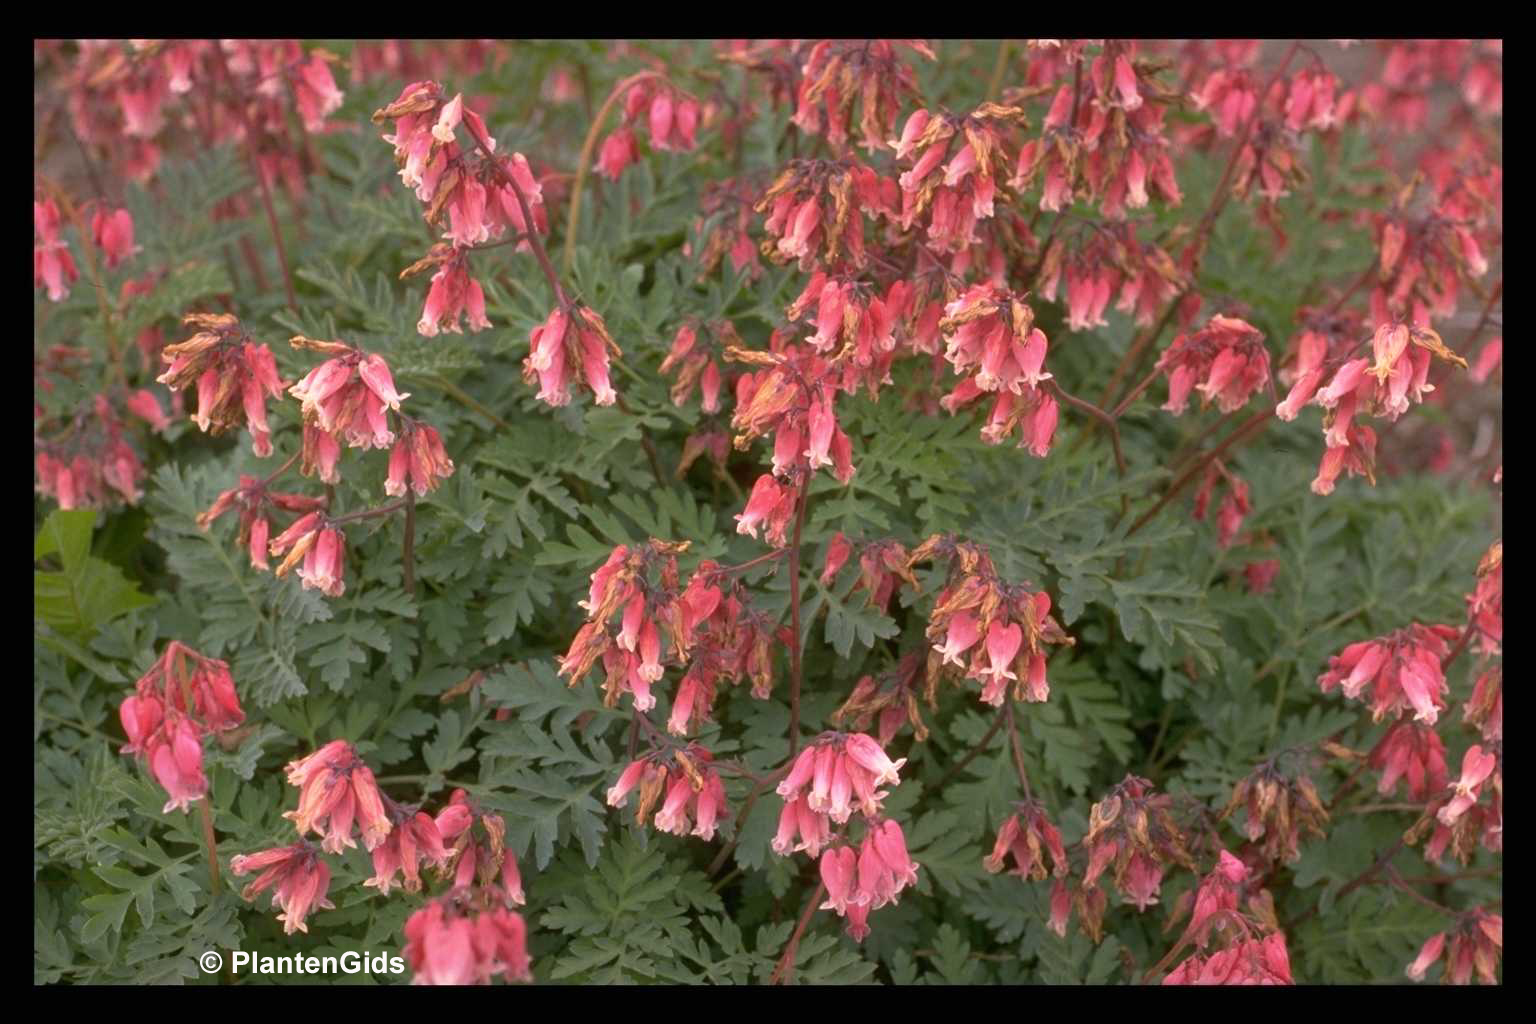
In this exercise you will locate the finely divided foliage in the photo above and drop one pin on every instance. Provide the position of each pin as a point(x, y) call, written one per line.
point(1155, 692)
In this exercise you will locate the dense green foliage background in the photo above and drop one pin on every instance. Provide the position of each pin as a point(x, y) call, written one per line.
point(1179, 674)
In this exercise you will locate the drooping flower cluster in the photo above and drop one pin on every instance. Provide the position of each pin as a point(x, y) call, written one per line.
point(1249, 961)
point(112, 232)
point(670, 116)
point(1027, 835)
point(1235, 506)
point(573, 344)
point(1322, 345)
point(1133, 830)
point(234, 377)
point(321, 546)
point(623, 588)
point(345, 397)
point(1107, 147)
point(418, 459)
point(1486, 708)
point(485, 196)
point(887, 700)
point(183, 698)
point(1476, 943)
point(452, 294)
point(1271, 154)
point(791, 397)
point(830, 779)
point(52, 265)
point(1485, 605)
point(414, 837)
point(992, 343)
point(1097, 259)
point(91, 461)
point(457, 941)
point(694, 795)
point(123, 95)
point(874, 877)
point(1412, 752)
point(297, 875)
point(1460, 820)
point(1422, 260)
point(639, 616)
point(728, 640)
point(954, 191)
point(816, 211)
point(336, 791)
point(474, 854)
point(1387, 386)
point(1213, 906)
point(695, 359)
point(1279, 806)
point(855, 326)
point(1006, 627)
point(256, 503)
point(839, 72)
point(1225, 361)
point(1402, 669)
point(723, 228)
point(883, 565)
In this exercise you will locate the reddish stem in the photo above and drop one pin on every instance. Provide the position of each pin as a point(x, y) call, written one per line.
point(1253, 425)
point(261, 179)
point(804, 499)
point(784, 973)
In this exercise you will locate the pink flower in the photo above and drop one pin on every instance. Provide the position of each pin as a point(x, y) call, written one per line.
point(1412, 752)
point(1225, 361)
point(143, 404)
point(176, 762)
point(838, 551)
point(413, 838)
point(962, 635)
point(347, 395)
point(301, 879)
point(336, 787)
point(52, 265)
point(1402, 669)
point(315, 91)
point(447, 946)
point(453, 293)
point(1249, 962)
point(841, 771)
point(1357, 456)
point(113, 234)
point(441, 950)
point(479, 854)
point(1027, 835)
point(617, 152)
point(694, 793)
point(181, 675)
point(418, 460)
point(568, 344)
point(1428, 954)
point(1003, 642)
point(1475, 941)
point(324, 564)
point(769, 503)
point(234, 377)
point(1488, 360)
point(183, 697)
point(1260, 575)
point(1476, 766)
